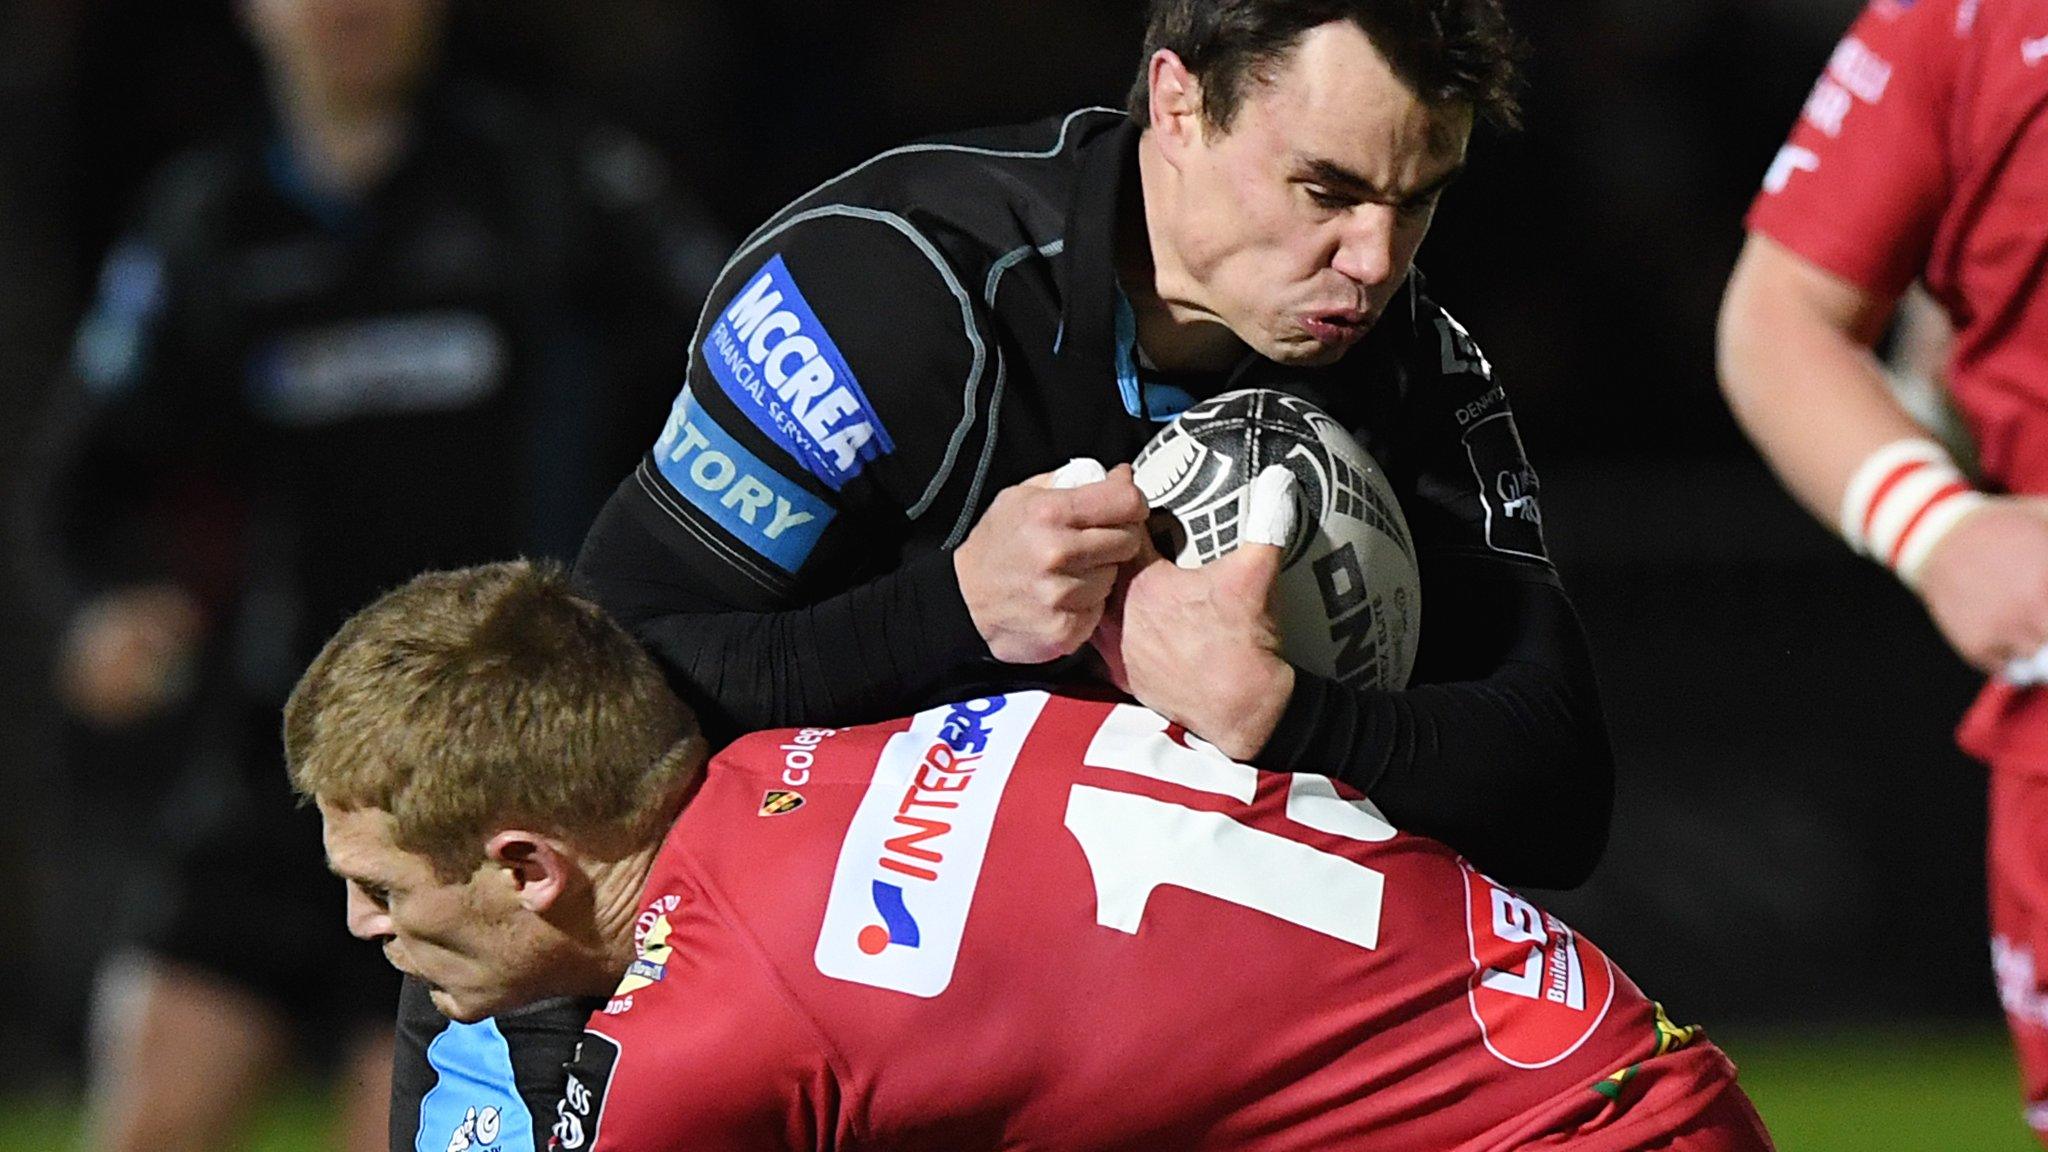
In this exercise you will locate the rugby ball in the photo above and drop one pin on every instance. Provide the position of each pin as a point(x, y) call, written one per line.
point(1349, 597)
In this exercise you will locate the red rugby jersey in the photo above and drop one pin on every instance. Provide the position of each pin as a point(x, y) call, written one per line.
point(1041, 922)
point(1923, 152)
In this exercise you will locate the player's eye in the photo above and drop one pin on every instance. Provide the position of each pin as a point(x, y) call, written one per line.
point(376, 894)
point(1326, 199)
point(1420, 206)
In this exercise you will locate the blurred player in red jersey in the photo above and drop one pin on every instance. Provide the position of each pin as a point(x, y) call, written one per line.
point(1922, 153)
point(1023, 920)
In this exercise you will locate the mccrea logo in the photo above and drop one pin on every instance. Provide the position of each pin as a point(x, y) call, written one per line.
point(767, 511)
point(771, 354)
point(912, 857)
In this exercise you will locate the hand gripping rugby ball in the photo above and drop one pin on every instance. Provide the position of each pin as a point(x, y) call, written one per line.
point(1349, 597)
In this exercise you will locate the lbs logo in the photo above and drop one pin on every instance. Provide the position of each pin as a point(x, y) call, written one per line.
point(477, 1132)
point(1538, 991)
point(912, 857)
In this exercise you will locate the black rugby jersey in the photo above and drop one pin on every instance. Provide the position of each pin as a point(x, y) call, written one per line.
point(893, 348)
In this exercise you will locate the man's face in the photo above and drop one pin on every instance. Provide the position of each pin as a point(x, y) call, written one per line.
point(1299, 224)
point(353, 53)
point(469, 940)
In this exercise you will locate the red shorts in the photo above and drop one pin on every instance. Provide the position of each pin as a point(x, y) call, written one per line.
point(2016, 871)
point(1730, 1124)
point(1661, 1110)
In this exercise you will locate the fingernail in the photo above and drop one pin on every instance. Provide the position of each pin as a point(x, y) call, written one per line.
point(1269, 513)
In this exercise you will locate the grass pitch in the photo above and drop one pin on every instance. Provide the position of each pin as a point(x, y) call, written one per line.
point(1867, 1090)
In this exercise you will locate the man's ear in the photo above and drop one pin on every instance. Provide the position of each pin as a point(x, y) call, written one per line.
point(539, 867)
point(1176, 101)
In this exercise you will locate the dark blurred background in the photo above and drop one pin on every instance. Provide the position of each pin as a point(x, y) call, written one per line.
point(1797, 841)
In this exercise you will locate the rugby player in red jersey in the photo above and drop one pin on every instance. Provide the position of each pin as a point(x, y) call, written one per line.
point(1020, 921)
point(1919, 156)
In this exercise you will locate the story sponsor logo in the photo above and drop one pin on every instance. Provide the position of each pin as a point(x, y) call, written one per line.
point(580, 1112)
point(766, 511)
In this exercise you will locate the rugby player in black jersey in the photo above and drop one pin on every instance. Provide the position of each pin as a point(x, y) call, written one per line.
point(839, 521)
point(846, 516)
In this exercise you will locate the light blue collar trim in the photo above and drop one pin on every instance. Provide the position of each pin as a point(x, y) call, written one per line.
point(1148, 401)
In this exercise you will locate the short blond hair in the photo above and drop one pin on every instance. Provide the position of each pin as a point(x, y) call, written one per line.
point(468, 701)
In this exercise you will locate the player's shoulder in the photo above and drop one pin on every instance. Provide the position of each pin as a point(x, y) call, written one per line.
point(806, 757)
point(985, 183)
point(962, 201)
point(1427, 357)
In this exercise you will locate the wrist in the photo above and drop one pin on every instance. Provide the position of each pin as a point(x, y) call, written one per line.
point(1901, 501)
point(1256, 714)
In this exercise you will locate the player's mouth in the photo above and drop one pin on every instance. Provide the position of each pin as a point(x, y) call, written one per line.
point(1338, 328)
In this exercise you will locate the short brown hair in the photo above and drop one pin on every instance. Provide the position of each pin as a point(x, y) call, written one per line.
point(1446, 51)
point(491, 697)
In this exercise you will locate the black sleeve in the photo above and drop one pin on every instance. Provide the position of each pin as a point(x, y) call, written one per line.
point(1498, 747)
point(763, 548)
point(1510, 767)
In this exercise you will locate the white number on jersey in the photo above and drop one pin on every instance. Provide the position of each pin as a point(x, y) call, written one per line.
point(1135, 843)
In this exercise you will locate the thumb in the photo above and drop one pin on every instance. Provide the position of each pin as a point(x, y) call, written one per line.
point(1251, 569)
point(1271, 515)
point(1266, 528)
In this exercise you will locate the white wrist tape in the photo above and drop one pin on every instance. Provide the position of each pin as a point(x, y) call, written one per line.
point(1901, 501)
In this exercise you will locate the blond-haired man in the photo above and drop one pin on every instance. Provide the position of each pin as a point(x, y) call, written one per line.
point(496, 762)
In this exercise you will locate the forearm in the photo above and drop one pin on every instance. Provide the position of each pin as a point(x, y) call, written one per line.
point(874, 651)
point(1509, 764)
point(1799, 374)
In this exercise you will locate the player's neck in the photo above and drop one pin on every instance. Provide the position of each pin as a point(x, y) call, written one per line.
point(1175, 331)
point(616, 896)
point(341, 149)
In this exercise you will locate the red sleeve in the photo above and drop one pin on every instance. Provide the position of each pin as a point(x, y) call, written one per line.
point(698, 1052)
point(1861, 184)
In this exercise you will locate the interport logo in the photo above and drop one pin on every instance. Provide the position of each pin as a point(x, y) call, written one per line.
point(913, 854)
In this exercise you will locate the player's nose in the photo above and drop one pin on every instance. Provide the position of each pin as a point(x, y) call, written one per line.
point(1365, 248)
point(366, 921)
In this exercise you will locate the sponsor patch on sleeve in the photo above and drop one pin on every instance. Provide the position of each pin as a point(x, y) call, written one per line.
point(1507, 486)
point(580, 1112)
point(767, 511)
point(772, 355)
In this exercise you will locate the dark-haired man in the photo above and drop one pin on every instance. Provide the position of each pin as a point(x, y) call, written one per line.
point(1026, 920)
point(845, 519)
point(845, 516)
